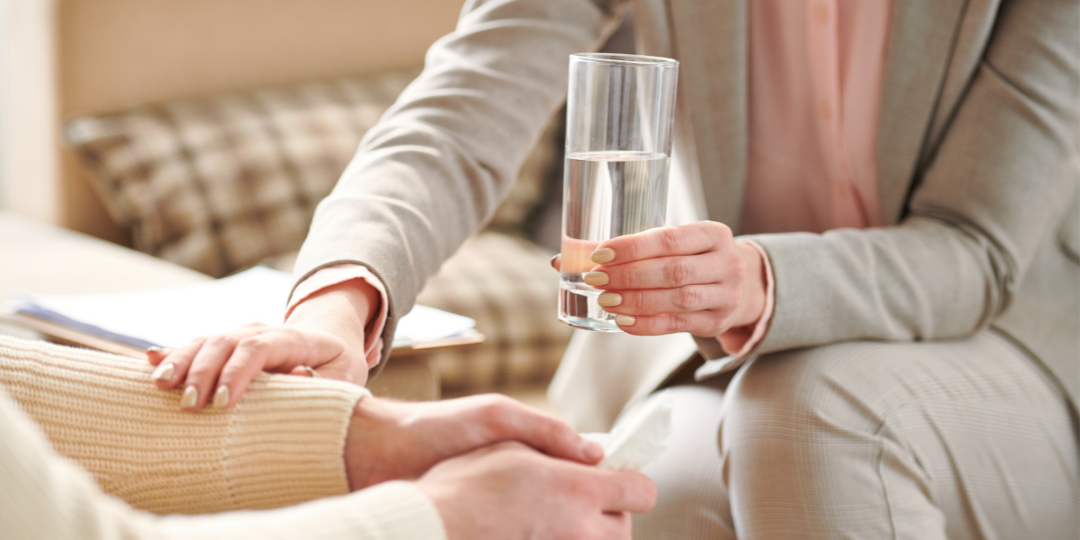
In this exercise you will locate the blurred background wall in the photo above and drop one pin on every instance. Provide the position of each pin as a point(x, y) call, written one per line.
point(28, 108)
point(3, 185)
point(63, 58)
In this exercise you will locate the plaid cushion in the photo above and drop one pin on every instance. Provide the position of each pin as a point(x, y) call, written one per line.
point(221, 183)
point(508, 286)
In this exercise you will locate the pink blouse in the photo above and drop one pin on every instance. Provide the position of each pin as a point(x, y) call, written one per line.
point(815, 89)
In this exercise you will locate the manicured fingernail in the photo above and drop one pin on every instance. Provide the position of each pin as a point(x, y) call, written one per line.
point(595, 279)
point(221, 397)
point(164, 372)
point(592, 451)
point(153, 349)
point(603, 255)
point(190, 397)
point(553, 259)
point(625, 320)
point(609, 299)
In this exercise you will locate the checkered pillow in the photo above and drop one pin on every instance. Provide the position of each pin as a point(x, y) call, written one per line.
point(221, 183)
point(508, 286)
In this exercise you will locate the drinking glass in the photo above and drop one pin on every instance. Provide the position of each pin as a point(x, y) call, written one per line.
point(620, 109)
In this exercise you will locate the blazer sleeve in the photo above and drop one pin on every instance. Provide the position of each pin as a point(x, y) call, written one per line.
point(985, 199)
point(433, 170)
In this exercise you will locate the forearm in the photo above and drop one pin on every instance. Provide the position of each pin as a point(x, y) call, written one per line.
point(392, 510)
point(282, 444)
point(51, 498)
point(921, 281)
point(428, 176)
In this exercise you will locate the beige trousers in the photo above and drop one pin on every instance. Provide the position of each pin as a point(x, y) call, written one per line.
point(966, 439)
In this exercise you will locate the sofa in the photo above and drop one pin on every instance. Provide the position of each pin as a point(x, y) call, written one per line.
point(221, 183)
point(204, 133)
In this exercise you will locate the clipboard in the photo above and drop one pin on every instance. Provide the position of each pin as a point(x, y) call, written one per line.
point(58, 333)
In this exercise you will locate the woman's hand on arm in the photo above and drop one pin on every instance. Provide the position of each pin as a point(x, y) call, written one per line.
point(324, 332)
point(692, 278)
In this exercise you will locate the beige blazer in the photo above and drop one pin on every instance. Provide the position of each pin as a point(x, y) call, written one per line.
point(978, 167)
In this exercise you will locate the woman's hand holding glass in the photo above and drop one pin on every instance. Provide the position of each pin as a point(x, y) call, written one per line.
point(692, 278)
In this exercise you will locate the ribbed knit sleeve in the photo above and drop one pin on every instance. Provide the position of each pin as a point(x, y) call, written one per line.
point(388, 511)
point(47, 497)
point(281, 444)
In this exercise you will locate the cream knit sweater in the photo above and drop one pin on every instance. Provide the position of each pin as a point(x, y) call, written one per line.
point(281, 445)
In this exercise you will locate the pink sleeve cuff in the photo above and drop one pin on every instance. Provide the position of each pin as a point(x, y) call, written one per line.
point(340, 273)
point(740, 341)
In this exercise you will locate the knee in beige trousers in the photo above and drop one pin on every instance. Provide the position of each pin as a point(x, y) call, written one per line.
point(965, 439)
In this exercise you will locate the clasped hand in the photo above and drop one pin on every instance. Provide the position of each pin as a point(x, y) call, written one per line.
point(692, 278)
point(468, 457)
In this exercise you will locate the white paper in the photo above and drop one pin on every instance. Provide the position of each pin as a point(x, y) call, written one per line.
point(638, 439)
point(426, 323)
point(171, 317)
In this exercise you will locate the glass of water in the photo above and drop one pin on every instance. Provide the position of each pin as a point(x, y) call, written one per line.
point(620, 109)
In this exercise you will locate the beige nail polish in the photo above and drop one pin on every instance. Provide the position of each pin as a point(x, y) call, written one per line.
point(164, 372)
point(190, 397)
point(609, 299)
point(221, 397)
point(625, 320)
point(595, 279)
point(603, 255)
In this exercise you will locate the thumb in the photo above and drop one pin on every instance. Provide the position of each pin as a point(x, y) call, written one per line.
point(330, 370)
point(339, 369)
point(305, 371)
point(556, 263)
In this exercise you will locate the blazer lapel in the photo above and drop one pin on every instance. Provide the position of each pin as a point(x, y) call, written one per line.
point(920, 47)
point(709, 40)
point(652, 29)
